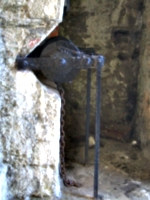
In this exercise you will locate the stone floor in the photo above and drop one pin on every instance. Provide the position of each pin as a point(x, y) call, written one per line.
point(124, 173)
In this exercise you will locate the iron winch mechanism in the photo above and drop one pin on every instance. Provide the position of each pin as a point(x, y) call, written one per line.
point(58, 60)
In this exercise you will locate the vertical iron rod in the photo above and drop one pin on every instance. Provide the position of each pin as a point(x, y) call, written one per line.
point(87, 126)
point(97, 127)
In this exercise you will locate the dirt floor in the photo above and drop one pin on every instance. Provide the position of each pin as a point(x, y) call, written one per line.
point(124, 173)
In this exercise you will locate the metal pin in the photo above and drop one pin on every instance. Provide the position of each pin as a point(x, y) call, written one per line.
point(87, 125)
point(97, 127)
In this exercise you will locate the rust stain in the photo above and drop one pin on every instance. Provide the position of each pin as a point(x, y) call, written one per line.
point(116, 135)
point(54, 33)
point(146, 106)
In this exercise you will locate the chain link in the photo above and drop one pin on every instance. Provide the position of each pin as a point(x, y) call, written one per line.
point(67, 182)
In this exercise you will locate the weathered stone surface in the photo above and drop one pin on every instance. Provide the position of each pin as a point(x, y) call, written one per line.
point(30, 22)
point(142, 125)
point(30, 111)
point(113, 28)
point(30, 127)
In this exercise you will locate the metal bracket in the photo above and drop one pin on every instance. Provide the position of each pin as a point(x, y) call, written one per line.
point(59, 60)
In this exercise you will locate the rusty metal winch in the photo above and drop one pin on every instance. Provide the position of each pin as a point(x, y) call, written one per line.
point(57, 59)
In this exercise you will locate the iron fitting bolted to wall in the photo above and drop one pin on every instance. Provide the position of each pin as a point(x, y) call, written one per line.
point(58, 60)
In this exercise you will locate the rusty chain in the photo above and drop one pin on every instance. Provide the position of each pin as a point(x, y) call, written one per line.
point(67, 182)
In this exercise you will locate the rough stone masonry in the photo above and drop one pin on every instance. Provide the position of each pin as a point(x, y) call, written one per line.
point(30, 112)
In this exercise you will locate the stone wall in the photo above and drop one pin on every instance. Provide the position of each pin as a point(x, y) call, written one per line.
point(114, 29)
point(30, 112)
point(142, 120)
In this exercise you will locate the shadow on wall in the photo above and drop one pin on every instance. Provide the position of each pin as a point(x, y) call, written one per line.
point(114, 30)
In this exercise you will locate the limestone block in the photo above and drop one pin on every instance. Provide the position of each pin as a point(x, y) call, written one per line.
point(29, 141)
point(27, 23)
point(30, 111)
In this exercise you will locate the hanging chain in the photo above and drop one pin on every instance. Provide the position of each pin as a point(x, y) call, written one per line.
point(66, 181)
